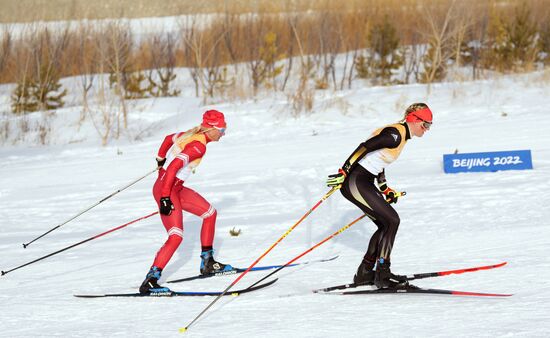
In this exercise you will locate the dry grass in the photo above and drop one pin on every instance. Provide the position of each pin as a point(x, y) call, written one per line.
point(325, 30)
point(48, 10)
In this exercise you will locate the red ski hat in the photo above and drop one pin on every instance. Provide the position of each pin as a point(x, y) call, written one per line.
point(421, 115)
point(213, 119)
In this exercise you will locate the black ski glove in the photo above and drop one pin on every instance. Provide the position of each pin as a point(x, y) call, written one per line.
point(160, 162)
point(166, 206)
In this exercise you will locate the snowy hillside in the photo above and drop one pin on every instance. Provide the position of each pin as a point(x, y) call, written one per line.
point(262, 177)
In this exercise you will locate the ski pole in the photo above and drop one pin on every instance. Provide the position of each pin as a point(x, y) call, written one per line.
point(25, 245)
point(339, 231)
point(82, 242)
point(327, 195)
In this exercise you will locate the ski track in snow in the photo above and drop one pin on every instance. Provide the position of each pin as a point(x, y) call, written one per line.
point(262, 177)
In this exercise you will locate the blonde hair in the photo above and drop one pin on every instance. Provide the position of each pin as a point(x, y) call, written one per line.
point(414, 107)
point(189, 133)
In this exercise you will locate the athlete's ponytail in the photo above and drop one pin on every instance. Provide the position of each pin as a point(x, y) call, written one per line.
point(189, 133)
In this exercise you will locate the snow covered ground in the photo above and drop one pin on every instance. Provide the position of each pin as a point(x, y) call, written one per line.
point(262, 177)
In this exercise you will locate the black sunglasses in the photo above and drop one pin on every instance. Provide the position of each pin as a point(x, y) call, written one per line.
point(425, 123)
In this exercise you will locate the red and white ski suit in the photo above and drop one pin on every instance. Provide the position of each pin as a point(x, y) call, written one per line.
point(182, 155)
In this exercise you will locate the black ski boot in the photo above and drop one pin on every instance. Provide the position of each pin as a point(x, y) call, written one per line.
point(209, 264)
point(384, 278)
point(150, 284)
point(365, 273)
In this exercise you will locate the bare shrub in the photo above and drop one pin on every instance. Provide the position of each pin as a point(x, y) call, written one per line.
point(163, 63)
point(38, 87)
point(24, 125)
point(44, 128)
point(105, 115)
point(4, 130)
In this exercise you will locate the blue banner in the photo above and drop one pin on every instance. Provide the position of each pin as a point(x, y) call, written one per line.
point(491, 161)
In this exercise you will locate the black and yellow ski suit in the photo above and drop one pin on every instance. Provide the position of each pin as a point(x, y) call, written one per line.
point(366, 164)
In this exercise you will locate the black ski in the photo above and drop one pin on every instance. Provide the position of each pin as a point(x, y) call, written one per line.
point(241, 270)
point(415, 289)
point(420, 276)
point(181, 293)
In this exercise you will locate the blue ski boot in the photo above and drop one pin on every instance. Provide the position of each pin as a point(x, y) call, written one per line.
point(150, 284)
point(209, 264)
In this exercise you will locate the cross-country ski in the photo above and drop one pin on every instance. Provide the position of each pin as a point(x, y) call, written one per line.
point(171, 293)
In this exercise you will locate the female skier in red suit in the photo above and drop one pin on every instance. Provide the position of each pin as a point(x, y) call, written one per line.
point(177, 158)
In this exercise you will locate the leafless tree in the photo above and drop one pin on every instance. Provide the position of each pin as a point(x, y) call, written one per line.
point(330, 45)
point(302, 98)
point(113, 45)
point(291, 21)
point(105, 113)
point(253, 36)
point(115, 56)
point(202, 50)
point(439, 35)
point(358, 25)
point(190, 41)
point(88, 62)
point(163, 63)
point(5, 48)
point(412, 56)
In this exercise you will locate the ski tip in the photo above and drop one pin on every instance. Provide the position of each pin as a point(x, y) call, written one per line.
point(498, 265)
point(480, 294)
point(183, 329)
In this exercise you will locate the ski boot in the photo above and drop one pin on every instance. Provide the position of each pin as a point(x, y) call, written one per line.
point(209, 264)
point(364, 274)
point(384, 278)
point(150, 284)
